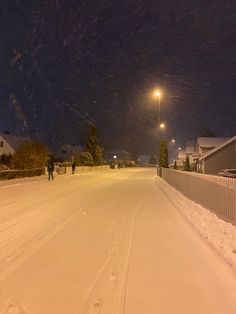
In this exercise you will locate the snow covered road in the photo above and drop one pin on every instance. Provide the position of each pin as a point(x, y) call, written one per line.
point(105, 243)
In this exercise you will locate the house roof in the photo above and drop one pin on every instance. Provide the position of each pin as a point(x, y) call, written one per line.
point(182, 154)
point(66, 151)
point(190, 147)
point(211, 142)
point(118, 152)
point(13, 140)
point(71, 148)
point(212, 151)
point(144, 158)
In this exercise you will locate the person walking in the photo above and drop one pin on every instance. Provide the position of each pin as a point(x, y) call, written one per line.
point(73, 168)
point(50, 170)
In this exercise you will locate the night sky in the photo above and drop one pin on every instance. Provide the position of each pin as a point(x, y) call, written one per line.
point(67, 64)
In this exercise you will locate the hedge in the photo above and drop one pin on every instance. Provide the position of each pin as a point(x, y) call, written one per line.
point(13, 174)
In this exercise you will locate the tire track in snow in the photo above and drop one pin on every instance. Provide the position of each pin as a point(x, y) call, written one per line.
point(95, 302)
point(121, 306)
point(29, 234)
point(30, 228)
point(93, 305)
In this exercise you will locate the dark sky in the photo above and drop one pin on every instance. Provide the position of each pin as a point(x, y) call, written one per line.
point(65, 64)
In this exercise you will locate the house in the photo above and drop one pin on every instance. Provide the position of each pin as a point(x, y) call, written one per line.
point(119, 154)
point(66, 152)
point(181, 158)
point(221, 157)
point(144, 159)
point(205, 144)
point(10, 143)
point(191, 152)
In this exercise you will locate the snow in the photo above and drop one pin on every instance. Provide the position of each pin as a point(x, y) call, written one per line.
point(220, 234)
point(211, 141)
point(111, 242)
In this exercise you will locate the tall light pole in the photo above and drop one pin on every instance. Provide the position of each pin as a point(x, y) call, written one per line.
point(162, 127)
point(157, 94)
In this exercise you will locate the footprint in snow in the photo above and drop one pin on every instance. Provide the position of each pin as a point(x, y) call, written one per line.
point(96, 307)
point(12, 307)
point(114, 275)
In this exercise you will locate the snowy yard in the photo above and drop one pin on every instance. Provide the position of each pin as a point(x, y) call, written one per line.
point(116, 242)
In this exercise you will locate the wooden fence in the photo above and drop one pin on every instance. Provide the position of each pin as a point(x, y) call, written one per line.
point(80, 169)
point(215, 193)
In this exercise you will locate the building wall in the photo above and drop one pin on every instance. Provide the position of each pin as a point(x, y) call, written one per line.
point(5, 148)
point(222, 159)
point(204, 150)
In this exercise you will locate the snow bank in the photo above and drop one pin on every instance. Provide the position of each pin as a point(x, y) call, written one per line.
point(220, 234)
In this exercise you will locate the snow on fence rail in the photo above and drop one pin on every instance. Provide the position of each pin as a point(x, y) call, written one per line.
point(79, 169)
point(215, 193)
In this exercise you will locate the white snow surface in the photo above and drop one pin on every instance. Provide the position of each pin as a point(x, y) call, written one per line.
point(111, 242)
point(220, 234)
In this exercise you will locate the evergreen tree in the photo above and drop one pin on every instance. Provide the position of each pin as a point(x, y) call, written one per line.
point(84, 159)
point(93, 146)
point(163, 155)
point(187, 164)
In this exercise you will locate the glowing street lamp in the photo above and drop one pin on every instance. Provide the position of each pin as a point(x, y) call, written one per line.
point(162, 127)
point(157, 94)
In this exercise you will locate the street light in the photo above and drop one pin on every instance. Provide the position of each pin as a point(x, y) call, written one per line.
point(162, 127)
point(157, 94)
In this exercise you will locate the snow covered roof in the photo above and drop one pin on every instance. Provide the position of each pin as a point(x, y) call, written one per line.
point(71, 148)
point(144, 158)
point(190, 147)
point(181, 154)
point(118, 152)
point(13, 140)
point(211, 142)
point(66, 151)
point(212, 151)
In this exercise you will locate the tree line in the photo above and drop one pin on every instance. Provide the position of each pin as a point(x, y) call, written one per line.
point(34, 154)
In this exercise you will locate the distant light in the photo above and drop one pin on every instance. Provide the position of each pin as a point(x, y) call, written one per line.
point(162, 125)
point(114, 156)
point(157, 93)
point(180, 148)
point(173, 140)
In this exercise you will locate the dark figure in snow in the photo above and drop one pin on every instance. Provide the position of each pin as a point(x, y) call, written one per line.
point(73, 168)
point(50, 170)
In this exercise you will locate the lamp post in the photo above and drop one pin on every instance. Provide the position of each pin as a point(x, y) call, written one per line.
point(162, 127)
point(170, 145)
point(157, 94)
